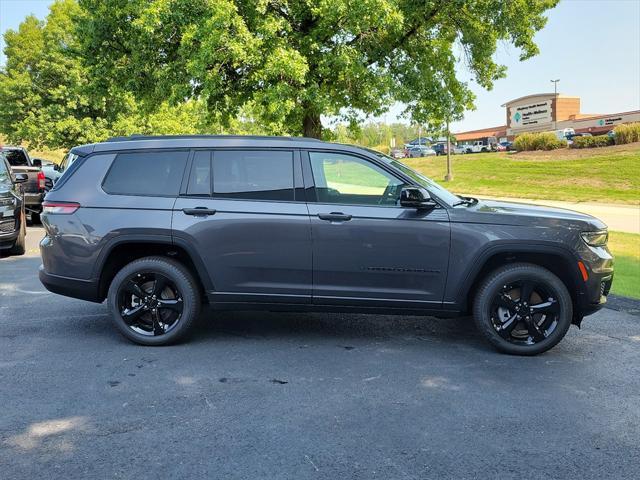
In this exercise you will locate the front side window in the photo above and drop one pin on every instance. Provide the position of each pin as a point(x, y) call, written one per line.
point(146, 173)
point(253, 174)
point(341, 178)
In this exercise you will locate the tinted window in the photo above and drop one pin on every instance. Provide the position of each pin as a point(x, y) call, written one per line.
point(4, 173)
point(16, 158)
point(146, 173)
point(200, 176)
point(253, 175)
point(345, 179)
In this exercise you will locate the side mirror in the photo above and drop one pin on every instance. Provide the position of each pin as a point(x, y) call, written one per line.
point(415, 197)
point(20, 178)
point(36, 162)
point(56, 167)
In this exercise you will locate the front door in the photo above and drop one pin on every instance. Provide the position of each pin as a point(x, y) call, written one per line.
point(367, 250)
point(238, 210)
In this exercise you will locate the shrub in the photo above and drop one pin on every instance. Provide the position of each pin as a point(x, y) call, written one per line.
point(382, 148)
point(591, 142)
point(538, 141)
point(628, 133)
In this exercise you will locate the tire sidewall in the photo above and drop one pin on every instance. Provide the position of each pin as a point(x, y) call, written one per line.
point(183, 282)
point(488, 291)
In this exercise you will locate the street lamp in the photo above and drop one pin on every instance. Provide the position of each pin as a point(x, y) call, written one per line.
point(555, 97)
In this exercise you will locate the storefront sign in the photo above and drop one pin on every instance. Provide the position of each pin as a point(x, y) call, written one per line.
point(530, 116)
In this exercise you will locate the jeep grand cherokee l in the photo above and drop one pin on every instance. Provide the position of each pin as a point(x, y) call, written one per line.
point(159, 226)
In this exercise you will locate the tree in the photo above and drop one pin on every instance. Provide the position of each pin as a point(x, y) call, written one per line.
point(43, 91)
point(292, 61)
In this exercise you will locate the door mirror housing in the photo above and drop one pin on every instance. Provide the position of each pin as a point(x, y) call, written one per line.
point(415, 197)
point(36, 162)
point(20, 178)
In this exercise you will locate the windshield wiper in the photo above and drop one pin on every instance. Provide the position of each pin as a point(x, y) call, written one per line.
point(466, 201)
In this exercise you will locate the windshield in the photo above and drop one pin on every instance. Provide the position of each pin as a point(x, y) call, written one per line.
point(439, 191)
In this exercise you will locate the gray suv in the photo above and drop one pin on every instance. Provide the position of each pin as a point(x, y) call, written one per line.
point(159, 226)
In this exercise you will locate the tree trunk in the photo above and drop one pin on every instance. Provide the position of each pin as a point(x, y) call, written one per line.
point(311, 125)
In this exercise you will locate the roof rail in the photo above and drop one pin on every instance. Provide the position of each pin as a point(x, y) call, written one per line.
point(136, 137)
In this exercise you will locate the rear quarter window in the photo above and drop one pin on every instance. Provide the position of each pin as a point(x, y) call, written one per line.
point(156, 173)
point(16, 158)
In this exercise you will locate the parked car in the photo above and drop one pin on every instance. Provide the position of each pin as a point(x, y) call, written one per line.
point(54, 171)
point(504, 147)
point(162, 226)
point(571, 136)
point(421, 151)
point(397, 153)
point(476, 147)
point(13, 230)
point(34, 187)
point(563, 133)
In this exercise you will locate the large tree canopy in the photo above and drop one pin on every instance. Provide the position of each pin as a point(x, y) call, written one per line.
point(291, 61)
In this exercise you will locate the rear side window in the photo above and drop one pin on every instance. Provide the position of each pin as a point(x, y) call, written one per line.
point(253, 174)
point(16, 158)
point(146, 173)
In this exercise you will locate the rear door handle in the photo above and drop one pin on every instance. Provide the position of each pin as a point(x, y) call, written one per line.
point(199, 211)
point(334, 217)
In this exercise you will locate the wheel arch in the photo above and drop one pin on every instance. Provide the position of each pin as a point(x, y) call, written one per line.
point(561, 262)
point(125, 249)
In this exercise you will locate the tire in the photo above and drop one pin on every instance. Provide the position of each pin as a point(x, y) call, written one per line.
point(35, 218)
point(506, 327)
point(19, 247)
point(181, 290)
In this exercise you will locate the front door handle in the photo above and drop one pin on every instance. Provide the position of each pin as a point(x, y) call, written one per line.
point(334, 217)
point(199, 211)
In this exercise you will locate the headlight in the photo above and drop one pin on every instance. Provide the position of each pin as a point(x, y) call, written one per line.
point(596, 239)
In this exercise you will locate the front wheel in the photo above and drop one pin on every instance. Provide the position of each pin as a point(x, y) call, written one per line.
point(20, 245)
point(154, 301)
point(523, 309)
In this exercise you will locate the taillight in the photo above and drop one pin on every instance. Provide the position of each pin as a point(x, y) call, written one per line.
point(41, 180)
point(61, 208)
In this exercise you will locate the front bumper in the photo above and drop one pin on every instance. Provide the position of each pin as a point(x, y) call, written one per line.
point(9, 230)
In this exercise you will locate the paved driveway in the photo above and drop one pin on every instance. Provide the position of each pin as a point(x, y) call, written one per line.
point(297, 396)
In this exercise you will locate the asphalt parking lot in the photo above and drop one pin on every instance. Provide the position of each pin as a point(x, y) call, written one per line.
point(298, 396)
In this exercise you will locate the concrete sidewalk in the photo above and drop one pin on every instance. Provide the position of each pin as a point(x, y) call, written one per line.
point(620, 218)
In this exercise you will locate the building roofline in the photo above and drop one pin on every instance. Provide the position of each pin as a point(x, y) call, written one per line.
point(550, 94)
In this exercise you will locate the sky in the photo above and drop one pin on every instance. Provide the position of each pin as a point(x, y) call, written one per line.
point(592, 46)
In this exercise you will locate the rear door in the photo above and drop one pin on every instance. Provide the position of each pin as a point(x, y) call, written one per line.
point(243, 212)
point(368, 250)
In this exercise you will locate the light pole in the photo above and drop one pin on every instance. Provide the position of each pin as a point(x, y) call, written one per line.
point(449, 176)
point(555, 97)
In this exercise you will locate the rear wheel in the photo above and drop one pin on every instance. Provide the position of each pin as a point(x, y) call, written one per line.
point(154, 301)
point(523, 309)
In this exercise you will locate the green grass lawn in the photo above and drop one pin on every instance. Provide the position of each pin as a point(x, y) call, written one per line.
point(626, 250)
point(605, 175)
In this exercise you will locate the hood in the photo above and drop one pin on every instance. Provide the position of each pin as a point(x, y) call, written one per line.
point(513, 213)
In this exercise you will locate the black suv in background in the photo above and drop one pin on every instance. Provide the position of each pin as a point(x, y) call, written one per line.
point(160, 225)
point(13, 229)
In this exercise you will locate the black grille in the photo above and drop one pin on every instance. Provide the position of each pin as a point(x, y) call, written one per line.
point(605, 286)
point(7, 226)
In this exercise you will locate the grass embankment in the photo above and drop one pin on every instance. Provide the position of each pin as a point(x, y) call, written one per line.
point(604, 175)
point(626, 250)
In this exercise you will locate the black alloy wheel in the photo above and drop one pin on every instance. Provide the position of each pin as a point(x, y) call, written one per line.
point(154, 301)
point(523, 309)
point(525, 312)
point(150, 303)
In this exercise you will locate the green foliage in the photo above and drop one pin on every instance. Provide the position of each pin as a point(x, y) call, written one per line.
point(289, 62)
point(538, 141)
point(591, 142)
point(628, 133)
